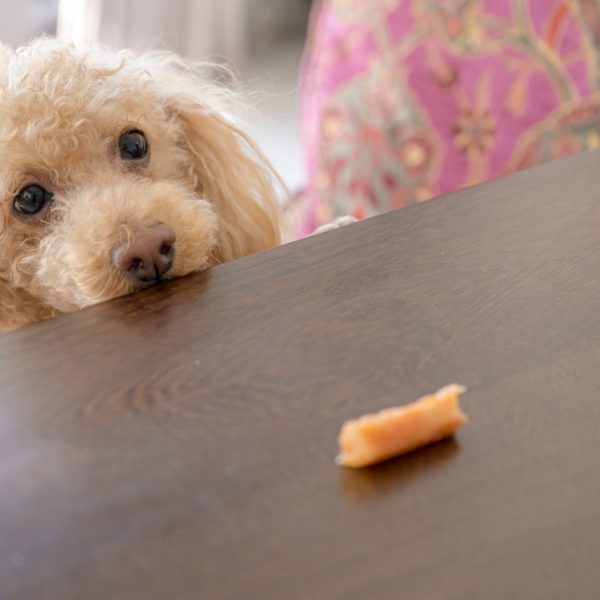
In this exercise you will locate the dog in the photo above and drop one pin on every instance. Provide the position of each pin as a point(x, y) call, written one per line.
point(118, 171)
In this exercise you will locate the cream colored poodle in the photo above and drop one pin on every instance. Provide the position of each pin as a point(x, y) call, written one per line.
point(118, 171)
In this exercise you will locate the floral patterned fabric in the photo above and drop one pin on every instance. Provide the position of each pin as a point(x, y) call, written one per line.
point(404, 100)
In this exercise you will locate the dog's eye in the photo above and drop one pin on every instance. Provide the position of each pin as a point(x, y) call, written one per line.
point(31, 200)
point(133, 145)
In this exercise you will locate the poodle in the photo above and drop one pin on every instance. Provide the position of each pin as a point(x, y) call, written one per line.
point(119, 171)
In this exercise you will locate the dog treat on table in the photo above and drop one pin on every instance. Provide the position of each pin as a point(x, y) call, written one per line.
point(393, 431)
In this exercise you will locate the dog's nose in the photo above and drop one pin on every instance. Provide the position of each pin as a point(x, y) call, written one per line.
point(148, 256)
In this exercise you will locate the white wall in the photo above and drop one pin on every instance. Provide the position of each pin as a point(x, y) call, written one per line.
point(195, 28)
point(21, 20)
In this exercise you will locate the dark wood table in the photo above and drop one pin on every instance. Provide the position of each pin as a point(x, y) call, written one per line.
point(179, 443)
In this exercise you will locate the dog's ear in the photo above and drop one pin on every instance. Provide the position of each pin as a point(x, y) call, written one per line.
point(229, 169)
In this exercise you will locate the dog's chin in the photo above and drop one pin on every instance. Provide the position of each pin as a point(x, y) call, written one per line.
point(93, 288)
point(82, 280)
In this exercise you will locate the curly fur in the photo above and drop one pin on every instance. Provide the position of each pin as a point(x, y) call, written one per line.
point(61, 113)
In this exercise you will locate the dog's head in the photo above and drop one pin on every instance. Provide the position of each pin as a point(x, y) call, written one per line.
point(118, 170)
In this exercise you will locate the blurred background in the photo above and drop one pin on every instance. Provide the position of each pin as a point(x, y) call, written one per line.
point(263, 39)
point(402, 101)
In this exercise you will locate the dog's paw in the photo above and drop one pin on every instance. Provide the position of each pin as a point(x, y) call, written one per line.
point(340, 222)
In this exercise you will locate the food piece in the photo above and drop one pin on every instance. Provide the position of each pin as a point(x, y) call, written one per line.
point(373, 438)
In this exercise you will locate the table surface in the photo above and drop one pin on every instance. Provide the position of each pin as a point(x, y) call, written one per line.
point(179, 443)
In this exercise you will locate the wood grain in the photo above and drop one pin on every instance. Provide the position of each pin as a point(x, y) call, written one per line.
point(179, 443)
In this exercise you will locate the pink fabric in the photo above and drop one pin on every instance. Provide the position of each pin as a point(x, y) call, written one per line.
point(404, 100)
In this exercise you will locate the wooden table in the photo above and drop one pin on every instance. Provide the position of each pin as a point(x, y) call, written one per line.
point(179, 443)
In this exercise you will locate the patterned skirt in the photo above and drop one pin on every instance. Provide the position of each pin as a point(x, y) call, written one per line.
point(404, 100)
